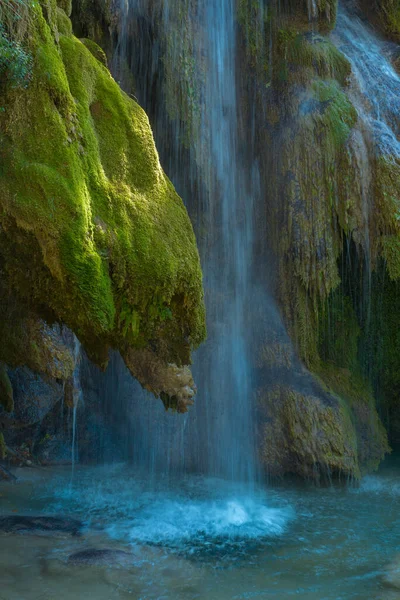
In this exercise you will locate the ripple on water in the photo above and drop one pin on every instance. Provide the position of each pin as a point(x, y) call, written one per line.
point(199, 512)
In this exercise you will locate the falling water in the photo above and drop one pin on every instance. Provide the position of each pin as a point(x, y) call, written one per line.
point(219, 182)
point(375, 92)
point(76, 397)
point(227, 257)
point(312, 9)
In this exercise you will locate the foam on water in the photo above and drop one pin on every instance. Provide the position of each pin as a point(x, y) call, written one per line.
point(196, 511)
point(387, 486)
point(171, 521)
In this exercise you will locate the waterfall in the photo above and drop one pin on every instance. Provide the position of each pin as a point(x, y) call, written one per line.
point(375, 92)
point(219, 181)
point(376, 87)
point(227, 252)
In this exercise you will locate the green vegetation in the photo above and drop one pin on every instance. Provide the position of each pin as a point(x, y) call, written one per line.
point(386, 15)
point(311, 149)
point(15, 60)
point(93, 233)
point(306, 435)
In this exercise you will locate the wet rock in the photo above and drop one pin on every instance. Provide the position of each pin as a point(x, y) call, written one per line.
point(6, 475)
point(173, 384)
point(34, 397)
point(101, 556)
point(392, 576)
point(24, 524)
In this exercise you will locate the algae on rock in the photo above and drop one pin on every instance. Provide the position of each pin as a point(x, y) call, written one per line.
point(93, 234)
point(310, 144)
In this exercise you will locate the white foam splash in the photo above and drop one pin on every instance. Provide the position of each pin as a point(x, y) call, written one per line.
point(169, 520)
point(200, 510)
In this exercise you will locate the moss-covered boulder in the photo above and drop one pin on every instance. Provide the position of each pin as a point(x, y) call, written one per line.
point(6, 390)
point(93, 233)
point(331, 197)
point(385, 14)
point(307, 434)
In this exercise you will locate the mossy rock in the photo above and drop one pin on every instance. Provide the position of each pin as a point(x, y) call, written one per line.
point(95, 50)
point(6, 390)
point(93, 233)
point(64, 24)
point(356, 394)
point(307, 434)
point(385, 14)
point(300, 56)
point(66, 6)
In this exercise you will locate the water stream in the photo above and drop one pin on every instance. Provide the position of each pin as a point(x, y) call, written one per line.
point(76, 398)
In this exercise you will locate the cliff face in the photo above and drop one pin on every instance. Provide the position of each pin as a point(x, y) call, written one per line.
point(332, 189)
point(329, 186)
point(93, 234)
point(385, 14)
point(102, 243)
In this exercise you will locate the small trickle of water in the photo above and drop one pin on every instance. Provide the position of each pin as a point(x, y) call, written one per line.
point(312, 10)
point(376, 93)
point(76, 397)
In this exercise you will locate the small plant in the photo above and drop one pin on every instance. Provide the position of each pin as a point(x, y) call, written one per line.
point(15, 16)
point(15, 61)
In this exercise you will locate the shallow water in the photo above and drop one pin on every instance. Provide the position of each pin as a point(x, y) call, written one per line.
point(203, 540)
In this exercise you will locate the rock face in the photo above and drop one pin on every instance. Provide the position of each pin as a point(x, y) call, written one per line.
point(385, 14)
point(93, 234)
point(330, 210)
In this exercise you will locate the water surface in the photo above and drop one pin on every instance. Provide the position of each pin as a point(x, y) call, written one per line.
point(202, 538)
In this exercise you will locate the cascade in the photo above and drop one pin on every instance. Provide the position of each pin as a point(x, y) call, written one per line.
point(376, 86)
point(215, 173)
point(375, 92)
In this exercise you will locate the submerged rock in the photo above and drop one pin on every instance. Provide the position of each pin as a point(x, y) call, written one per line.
point(24, 524)
point(100, 556)
point(6, 475)
point(392, 576)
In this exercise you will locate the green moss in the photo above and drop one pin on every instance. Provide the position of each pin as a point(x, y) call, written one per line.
point(385, 14)
point(337, 114)
point(84, 195)
point(66, 6)
point(301, 56)
point(308, 435)
point(313, 142)
point(357, 397)
point(64, 24)
point(391, 254)
point(95, 50)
